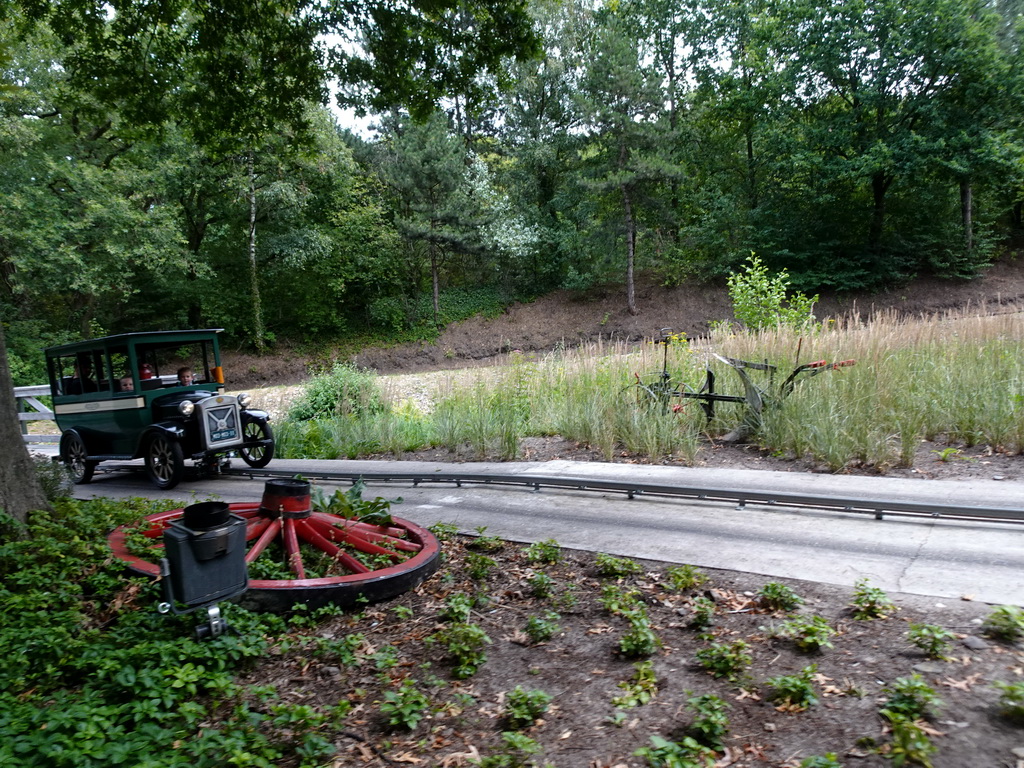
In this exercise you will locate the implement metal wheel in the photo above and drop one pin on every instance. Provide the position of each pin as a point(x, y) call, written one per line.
point(412, 551)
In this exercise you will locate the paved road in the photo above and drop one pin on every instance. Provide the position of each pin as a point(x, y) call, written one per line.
point(983, 561)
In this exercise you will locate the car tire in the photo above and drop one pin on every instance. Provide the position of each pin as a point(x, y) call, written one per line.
point(258, 456)
point(74, 455)
point(165, 462)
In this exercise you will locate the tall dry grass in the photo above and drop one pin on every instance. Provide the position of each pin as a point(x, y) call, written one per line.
point(953, 377)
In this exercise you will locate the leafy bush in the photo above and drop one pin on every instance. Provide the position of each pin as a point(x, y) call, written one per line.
point(686, 753)
point(930, 638)
point(640, 639)
point(543, 552)
point(711, 723)
point(1011, 700)
point(795, 692)
point(465, 644)
point(911, 697)
point(725, 659)
point(684, 577)
point(870, 602)
point(406, 706)
point(345, 390)
point(1006, 622)
point(523, 708)
point(779, 597)
point(641, 689)
point(542, 628)
point(809, 633)
point(759, 300)
point(616, 567)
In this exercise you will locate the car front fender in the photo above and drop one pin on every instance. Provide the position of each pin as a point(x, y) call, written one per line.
point(167, 428)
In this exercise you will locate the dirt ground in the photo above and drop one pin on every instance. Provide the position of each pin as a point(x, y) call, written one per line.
point(366, 659)
point(564, 319)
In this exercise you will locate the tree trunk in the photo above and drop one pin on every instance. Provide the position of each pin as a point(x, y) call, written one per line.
point(435, 284)
point(257, 308)
point(627, 205)
point(1017, 216)
point(879, 186)
point(967, 213)
point(20, 492)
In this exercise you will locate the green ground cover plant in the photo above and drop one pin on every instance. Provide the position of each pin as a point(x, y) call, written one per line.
point(94, 677)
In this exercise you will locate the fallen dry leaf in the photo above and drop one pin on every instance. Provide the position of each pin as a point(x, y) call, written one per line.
point(460, 758)
point(405, 757)
point(962, 685)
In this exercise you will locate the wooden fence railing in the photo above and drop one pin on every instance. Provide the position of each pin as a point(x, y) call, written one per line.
point(30, 408)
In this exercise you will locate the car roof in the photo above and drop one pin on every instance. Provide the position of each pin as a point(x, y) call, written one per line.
point(142, 337)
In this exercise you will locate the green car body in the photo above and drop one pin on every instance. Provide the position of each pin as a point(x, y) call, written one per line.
point(119, 397)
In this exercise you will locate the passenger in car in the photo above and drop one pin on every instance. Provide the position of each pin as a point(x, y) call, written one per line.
point(184, 376)
point(127, 384)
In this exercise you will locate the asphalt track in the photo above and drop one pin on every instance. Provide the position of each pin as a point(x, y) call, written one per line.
point(981, 561)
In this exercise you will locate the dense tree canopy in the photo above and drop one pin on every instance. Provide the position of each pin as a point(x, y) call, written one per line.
point(162, 155)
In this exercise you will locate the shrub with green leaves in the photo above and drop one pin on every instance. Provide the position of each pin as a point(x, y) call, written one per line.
point(870, 602)
point(828, 760)
point(682, 578)
point(345, 390)
point(711, 722)
point(930, 638)
point(685, 753)
point(640, 639)
point(911, 697)
point(478, 566)
point(523, 708)
point(1006, 623)
point(516, 751)
point(728, 660)
point(612, 567)
point(457, 607)
point(761, 300)
point(1011, 699)
point(465, 644)
point(703, 613)
point(546, 551)
point(541, 585)
point(910, 744)
point(542, 628)
point(795, 692)
point(808, 633)
point(406, 706)
point(778, 597)
point(616, 599)
point(640, 689)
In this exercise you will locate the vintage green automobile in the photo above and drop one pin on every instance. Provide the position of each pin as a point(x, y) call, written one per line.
point(157, 396)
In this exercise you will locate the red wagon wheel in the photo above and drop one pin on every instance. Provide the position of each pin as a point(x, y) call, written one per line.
point(412, 550)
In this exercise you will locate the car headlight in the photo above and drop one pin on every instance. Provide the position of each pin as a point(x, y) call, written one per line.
point(244, 400)
point(185, 407)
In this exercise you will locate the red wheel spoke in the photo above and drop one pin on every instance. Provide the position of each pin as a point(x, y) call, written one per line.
point(308, 534)
point(352, 538)
point(271, 531)
point(361, 532)
point(343, 522)
point(291, 549)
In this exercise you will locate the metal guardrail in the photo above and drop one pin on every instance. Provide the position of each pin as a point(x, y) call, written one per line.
point(877, 508)
point(30, 408)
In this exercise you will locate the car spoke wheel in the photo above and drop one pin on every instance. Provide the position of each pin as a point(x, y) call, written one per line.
point(364, 562)
point(165, 463)
point(257, 454)
point(74, 454)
